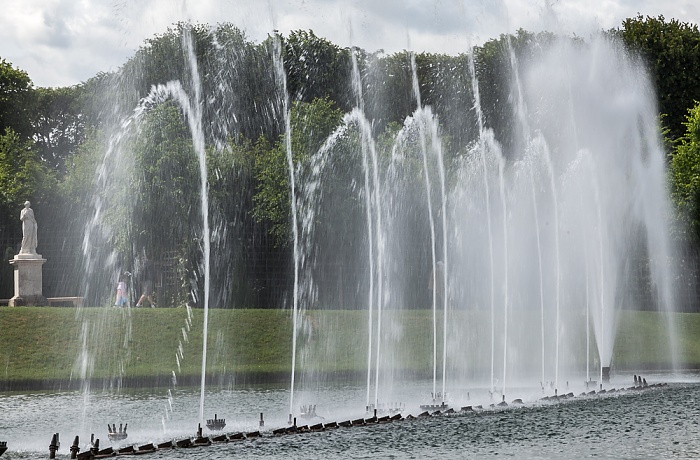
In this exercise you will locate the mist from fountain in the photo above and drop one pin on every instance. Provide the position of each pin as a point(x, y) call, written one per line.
point(534, 229)
point(514, 221)
point(482, 137)
point(291, 169)
point(112, 200)
point(539, 264)
point(360, 103)
point(431, 218)
point(614, 122)
point(193, 110)
point(521, 117)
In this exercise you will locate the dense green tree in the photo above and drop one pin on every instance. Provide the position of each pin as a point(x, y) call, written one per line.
point(685, 174)
point(447, 89)
point(671, 49)
point(389, 92)
point(154, 202)
point(167, 213)
point(79, 180)
point(247, 268)
point(316, 69)
point(235, 74)
point(494, 64)
point(17, 167)
point(23, 177)
point(58, 124)
point(15, 100)
point(444, 85)
point(54, 118)
point(311, 123)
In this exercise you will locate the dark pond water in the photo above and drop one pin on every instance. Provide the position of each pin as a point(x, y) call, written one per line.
point(652, 424)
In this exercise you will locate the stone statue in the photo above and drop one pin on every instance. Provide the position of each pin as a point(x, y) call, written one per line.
point(29, 227)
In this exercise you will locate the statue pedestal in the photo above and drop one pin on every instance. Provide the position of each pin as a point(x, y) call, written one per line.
point(28, 280)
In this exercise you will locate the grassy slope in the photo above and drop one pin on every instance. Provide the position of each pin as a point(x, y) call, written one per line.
point(42, 344)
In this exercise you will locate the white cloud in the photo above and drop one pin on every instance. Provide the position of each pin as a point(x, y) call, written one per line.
point(64, 42)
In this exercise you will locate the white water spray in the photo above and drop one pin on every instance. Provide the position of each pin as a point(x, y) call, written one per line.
point(194, 119)
point(284, 96)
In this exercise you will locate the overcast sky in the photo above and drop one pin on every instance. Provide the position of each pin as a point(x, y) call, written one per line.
point(65, 42)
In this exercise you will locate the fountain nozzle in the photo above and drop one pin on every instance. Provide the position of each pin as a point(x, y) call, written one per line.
point(75, 448)
point(53, 447)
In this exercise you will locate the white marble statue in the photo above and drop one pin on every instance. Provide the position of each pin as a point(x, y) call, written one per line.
point(29, 228)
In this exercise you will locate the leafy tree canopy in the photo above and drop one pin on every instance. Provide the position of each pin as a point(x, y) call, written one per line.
point(685, 174)
point(317, 68)
point(59, 124)
point(15, 96)
point(672, 51)
point(23, 177)
point(311, 123)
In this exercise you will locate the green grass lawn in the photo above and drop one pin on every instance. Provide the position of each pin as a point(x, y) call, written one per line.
point(47, 344)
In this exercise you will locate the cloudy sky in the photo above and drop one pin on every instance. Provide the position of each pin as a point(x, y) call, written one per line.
point(64, 42)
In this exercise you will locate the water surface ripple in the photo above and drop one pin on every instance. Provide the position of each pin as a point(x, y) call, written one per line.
point(658, 423)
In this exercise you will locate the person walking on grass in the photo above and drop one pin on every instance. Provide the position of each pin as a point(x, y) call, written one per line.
point(122, 298)
point(146, 284)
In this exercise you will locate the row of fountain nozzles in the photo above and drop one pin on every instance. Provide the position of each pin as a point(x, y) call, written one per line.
point(113, 429)
point(74, 449)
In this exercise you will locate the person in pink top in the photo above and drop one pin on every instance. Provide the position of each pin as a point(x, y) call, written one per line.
point(122, 297)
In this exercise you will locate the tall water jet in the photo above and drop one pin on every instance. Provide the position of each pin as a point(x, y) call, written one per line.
point(504, 211)
point(85, 367)
point(284, 96)
point(366, 131)
point(437, 147)
point(113, 206)
point(588, 302)
point(372, 202)
point(482, 155)
point(529, 230)
point(348, 159)
point(557, 322)
point(425, 118)
point(194, 118)
point(521, 115)
point(539, 261)
point(426, 177)
point(445, 271)
point(603, 344)
point(373, 215)
point(357, 89)
point(613, 127)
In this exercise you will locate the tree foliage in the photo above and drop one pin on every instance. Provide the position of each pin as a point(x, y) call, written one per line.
point(494, 62)
point(15, 97)
point(317, 69)
point(671, 48)
point(52, 135)
point(23, 177)
point(685, 174)
point(311, 123)
point(58, 124)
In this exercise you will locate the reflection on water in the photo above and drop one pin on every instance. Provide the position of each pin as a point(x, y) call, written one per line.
point(659, 423)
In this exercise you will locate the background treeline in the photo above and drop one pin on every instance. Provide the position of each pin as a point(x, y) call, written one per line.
point(58, 144)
